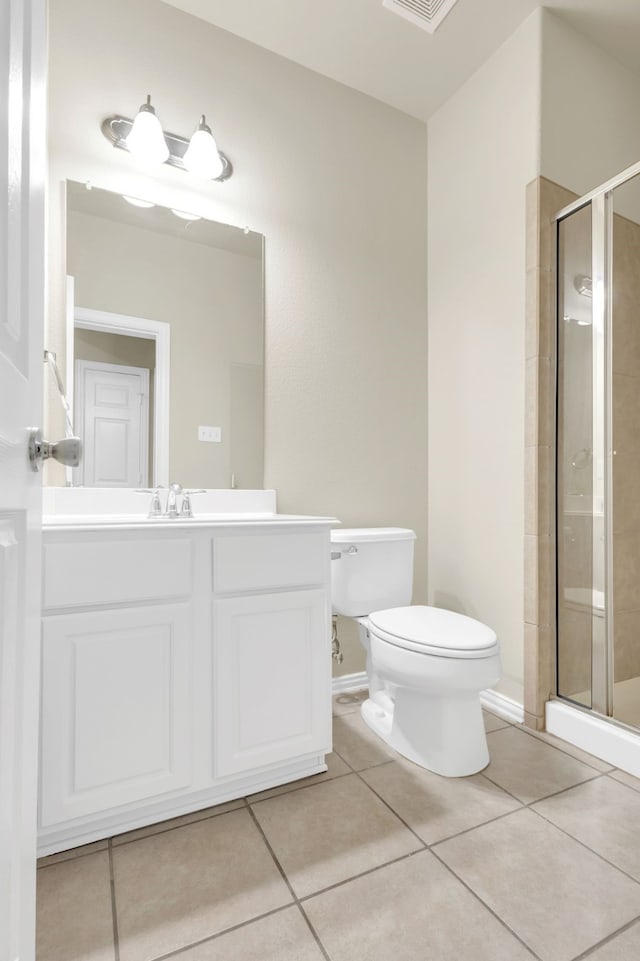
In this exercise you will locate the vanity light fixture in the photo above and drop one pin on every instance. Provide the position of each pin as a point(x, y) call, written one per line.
point(201, 157)
point(145, 138)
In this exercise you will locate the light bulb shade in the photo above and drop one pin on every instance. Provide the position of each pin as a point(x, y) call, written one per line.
point(146, 139)
point(201, 157)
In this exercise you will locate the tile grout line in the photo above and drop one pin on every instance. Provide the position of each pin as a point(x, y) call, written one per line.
point(293, 789)
point(624, 783)
point(363, 874)
point(582, 844)
point(114, 911)
point(610, 937)
point(523, 806)
point(481, 824)
point(288, 883)
point(544, 797)
point(314, 933)
point(242, 802)
point(72, 857)
point(175, 827)
point(271, 852)
point(475, 895)
point(219, 934)
point(536, 736)
point(422, 842)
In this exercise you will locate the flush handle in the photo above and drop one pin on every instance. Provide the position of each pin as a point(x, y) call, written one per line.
point(67, 451)
point(336, 555)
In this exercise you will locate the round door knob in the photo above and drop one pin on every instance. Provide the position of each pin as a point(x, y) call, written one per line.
point(67, 451)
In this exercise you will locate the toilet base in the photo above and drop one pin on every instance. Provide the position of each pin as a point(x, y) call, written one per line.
point(443, 735)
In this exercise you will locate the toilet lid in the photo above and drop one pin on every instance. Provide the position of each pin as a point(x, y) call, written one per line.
point(431, 630)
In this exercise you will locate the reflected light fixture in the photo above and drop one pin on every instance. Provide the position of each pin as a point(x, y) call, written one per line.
point(583, 284)
point(184, 215)
point(201, 156)
point(136, 202)
point(145, 138)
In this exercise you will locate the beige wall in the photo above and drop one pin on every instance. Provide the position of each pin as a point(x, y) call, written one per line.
point(483, 150)
point(114, 348)
point(212, 301)
point(336, 182)
point(590, 104)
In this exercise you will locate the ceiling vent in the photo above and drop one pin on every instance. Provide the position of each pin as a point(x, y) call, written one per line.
point(427, 14)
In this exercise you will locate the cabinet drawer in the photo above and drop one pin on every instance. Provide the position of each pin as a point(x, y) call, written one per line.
point(89, 571)
point(263, 562)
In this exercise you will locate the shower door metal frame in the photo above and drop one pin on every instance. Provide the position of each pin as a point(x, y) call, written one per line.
point(601, 201)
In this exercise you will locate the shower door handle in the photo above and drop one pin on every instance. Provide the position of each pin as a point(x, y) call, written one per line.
point(67, 451)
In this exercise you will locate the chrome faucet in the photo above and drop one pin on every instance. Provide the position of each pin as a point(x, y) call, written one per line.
point(172, 500)
point(174, 507)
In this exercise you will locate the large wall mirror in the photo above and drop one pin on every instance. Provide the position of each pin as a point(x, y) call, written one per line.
point(165, 345)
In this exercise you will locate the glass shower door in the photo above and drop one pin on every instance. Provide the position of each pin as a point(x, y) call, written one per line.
point(598, 451)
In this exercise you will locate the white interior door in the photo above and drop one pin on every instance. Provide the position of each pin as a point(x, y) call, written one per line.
point(22, 172)
point(112, 416)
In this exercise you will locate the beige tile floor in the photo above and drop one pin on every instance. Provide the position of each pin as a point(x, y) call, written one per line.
point(537, 857)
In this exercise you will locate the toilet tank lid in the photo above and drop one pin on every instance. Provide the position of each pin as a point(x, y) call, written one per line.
point(354, 535)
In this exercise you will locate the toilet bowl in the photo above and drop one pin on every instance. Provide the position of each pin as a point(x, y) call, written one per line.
point(425, 666)
point(430, 666)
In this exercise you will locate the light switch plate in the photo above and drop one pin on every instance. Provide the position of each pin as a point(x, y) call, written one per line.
point(211, 435)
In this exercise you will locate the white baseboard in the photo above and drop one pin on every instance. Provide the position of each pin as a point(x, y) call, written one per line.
point(502, 706)
point(348, 683)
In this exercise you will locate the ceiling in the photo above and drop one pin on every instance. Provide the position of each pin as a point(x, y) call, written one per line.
point(369, 48)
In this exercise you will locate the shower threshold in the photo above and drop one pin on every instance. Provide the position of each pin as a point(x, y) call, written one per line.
point(600, 736)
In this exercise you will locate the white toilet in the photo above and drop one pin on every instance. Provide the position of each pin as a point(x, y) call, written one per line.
point(426, 666)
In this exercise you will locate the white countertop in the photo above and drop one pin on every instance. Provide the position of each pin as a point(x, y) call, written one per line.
point(77, 522)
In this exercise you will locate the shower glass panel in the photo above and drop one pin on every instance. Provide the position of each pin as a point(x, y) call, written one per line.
point(580, 480)
point(625, 528)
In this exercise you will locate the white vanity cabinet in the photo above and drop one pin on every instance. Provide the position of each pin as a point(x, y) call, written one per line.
point(182, 665)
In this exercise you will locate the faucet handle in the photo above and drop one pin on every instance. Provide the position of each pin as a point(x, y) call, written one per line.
point(187, 510)
point(156, 507)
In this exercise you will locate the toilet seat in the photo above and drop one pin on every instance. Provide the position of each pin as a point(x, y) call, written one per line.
point(431, 630)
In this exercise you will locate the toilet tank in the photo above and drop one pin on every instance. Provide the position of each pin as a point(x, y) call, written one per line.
point(374, 570)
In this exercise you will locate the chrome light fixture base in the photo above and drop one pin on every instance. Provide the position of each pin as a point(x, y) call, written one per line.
point(117, 129)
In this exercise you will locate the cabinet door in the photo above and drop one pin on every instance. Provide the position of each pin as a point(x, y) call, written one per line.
point(272, 679)
point(116, 708)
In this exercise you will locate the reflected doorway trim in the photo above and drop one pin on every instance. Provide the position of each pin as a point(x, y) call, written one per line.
point(156, 330)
